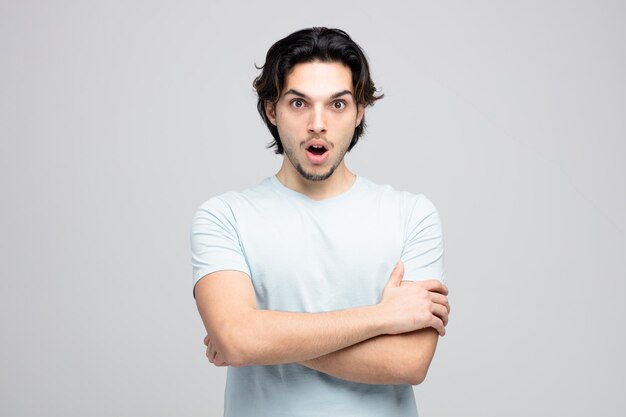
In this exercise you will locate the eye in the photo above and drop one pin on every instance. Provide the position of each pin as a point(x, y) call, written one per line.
point(339, 105)
point(297, 103)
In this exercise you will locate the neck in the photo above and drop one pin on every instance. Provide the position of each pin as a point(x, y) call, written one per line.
point(340, 181)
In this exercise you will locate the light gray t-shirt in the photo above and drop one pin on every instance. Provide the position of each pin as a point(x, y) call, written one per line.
point(306, 255)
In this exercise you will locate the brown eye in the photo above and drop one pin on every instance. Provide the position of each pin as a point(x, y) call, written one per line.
point(297, 104)
point(339, 105)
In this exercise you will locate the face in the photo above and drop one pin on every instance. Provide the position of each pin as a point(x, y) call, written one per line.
point(316, 115)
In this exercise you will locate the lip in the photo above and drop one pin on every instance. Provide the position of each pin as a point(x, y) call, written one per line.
point(316, 142)
point(313, 158)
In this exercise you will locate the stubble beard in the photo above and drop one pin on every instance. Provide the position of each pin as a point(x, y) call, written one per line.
point(308, 175)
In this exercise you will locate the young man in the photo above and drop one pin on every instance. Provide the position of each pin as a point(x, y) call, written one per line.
point(299, 279)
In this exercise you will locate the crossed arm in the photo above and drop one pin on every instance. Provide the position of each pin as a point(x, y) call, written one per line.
point(385, 359)
point(392, 342)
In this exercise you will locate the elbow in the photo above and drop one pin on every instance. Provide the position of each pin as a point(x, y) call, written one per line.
point(416, 374)
point(237, 361)
point(416, 378)
point(232, 353)
point(235, 349)
point(233, 356)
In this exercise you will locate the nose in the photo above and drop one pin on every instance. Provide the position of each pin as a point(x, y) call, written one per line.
point(317, 122)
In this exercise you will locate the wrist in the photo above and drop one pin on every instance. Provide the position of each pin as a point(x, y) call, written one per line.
point(378, 319)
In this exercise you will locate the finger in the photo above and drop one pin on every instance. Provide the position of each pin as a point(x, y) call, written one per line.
point(440, 299)
point(438, 325)
point(434, 285)
point(396, 275)
point(211, 352)
point(441, 312)
point(206, 340)
point(219, 361)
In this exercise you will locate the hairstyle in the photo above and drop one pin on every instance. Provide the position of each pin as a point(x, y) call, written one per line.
point(309, 45)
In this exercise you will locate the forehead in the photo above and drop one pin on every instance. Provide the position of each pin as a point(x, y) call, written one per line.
point(319, 79)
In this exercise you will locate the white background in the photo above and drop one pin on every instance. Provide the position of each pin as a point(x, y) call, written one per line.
point(119, 118)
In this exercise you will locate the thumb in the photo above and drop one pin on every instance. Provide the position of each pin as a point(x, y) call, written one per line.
point(396, 275)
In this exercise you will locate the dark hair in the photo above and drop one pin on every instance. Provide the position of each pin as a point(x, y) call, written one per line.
point(309, 45)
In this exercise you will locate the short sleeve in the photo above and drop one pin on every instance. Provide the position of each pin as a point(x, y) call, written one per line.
point(215, 244)
point(423, 248)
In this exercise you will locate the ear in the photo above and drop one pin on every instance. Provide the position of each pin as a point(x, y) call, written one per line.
point(360, 112)
point(270, 111)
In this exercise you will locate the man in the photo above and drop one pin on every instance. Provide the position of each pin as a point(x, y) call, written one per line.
point(299, 280)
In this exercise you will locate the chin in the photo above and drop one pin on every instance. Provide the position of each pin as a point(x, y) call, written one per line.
point(315, 176)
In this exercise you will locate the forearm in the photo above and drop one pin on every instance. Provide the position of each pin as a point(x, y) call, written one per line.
point(240, 334)
point(385, 359)
point(265, 337)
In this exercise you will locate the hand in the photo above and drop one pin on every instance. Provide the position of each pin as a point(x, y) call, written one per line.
point(212, 354)
point(416, 305)
point(431, 285)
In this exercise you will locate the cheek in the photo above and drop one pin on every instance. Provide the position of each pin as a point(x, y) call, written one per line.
point(347, 124)
point(287, 133)
point(291, 123)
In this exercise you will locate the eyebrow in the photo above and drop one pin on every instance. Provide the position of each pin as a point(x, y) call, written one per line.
point(336, 95)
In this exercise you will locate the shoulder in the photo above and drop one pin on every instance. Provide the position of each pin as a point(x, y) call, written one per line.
point(231, 202)
point(405, 201)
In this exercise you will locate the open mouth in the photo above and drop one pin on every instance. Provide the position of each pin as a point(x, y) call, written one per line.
point(317, 153)
point(317, 149)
